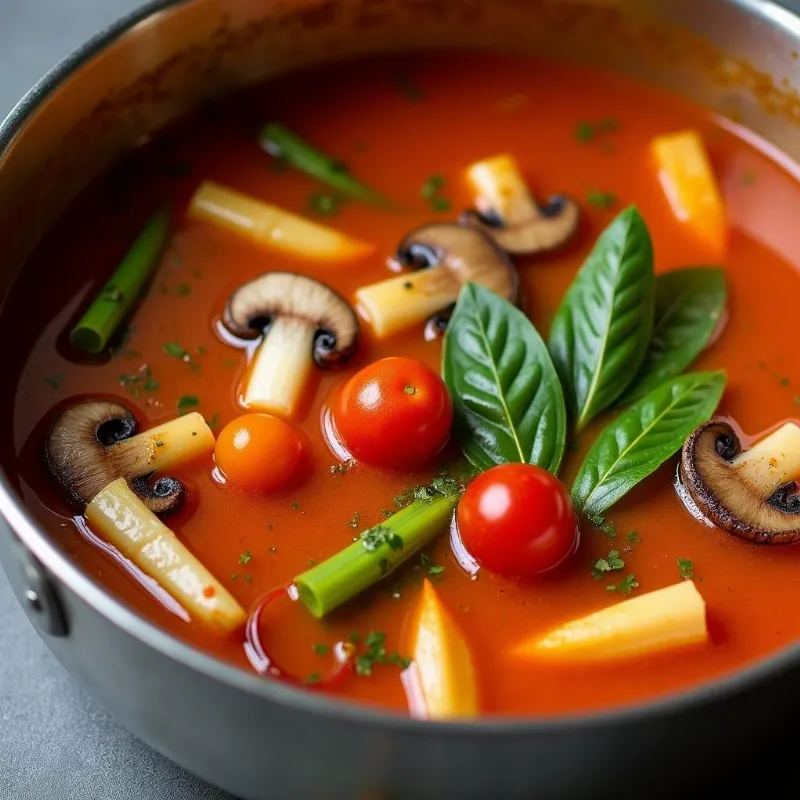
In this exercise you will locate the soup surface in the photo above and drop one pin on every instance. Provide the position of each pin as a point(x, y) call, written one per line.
point(397, 123)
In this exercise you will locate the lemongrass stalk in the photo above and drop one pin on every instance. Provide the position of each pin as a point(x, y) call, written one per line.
point(118, 516)
point(272, 227)
point(179, 441)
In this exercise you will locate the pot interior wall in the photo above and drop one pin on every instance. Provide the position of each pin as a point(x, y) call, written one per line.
point(720, 53)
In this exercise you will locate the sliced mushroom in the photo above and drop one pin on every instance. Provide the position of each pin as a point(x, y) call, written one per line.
point(506, 211)
point(749, 493)
point(92, 444)
point(303, 322)
point(444, 256)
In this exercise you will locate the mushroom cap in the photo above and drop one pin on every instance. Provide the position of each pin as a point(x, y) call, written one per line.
point(252, 307)
point(468, 254)
point(81, 455)
point(727, 498)
point(549, 227)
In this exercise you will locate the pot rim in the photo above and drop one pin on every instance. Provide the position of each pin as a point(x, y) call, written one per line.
point(33, 537)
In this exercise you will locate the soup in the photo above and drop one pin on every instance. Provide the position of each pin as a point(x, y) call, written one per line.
point(435, 631)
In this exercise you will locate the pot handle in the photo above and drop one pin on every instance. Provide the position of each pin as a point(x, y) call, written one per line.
point(36, 593)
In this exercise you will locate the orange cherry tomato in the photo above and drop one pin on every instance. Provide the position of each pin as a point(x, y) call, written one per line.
point(394, 413)
point(259, 452)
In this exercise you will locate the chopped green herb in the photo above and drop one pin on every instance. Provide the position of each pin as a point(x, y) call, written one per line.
point(406, 87)
point(188, 401)
point(605, 525)
point(609, 564)
point(325, 205)
point(375, 642)
point(431, 190)
point(599, 199)
point(295, 505)
point(446, 485)
point(321, 649)
point(213, 421)
point(633, 536)
point(183, 290)
point(313, 677)
point(345, 466)
point(685, 568)
point(175, 349)
point(54, 381)
point(228, 363)
point(625, 586)
point(235, 576)
point(785, 382)
point(137, 382)
point(433, 569)
point(246, 557)
point(587, 131)
point(375, 537)
point(355, 637)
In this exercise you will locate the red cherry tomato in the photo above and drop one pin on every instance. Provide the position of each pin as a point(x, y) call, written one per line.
point(394, 413)
point(517, 520)
point(258, 452)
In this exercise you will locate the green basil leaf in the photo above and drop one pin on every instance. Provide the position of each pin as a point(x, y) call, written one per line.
point(602, 328)
point(636, 443)
point(689, 306)
point(507, 398)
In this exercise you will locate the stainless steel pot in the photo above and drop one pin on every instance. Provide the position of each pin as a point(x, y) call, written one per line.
point(260, 739)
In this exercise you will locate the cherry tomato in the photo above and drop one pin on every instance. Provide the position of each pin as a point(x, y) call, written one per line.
point(518, 520)
point(258, 452)
point(394, 413)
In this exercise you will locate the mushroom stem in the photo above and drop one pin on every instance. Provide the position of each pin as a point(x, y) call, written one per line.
point(500, 189)
point(172, 444)
point(281, 367)
point(772, 462)
point(273, 227)
point(119, 517)
point(408, 299)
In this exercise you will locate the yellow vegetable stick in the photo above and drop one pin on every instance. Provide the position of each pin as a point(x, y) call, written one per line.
point(499, 186)
point(442, 667)
point(691, 188)
point(660, 620)
point(273, 227)
point(117, 515)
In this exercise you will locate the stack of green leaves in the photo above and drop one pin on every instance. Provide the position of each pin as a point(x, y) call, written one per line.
point(620, 336)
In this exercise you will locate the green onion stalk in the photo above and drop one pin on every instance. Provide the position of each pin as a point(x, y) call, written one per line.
point(115, 299)
point(376, 553)
point(285, 144)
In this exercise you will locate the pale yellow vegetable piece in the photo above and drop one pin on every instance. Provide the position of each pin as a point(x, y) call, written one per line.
point(457, 254)
point(407, 300)
point(118, 516)
point(176, 442)
point(442, 661)
point(273, 227)
point(691, 188)
point(660, 620)
point(773, 461)
point(498, 186)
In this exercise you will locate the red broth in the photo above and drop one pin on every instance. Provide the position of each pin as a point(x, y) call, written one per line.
point(467, 107)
